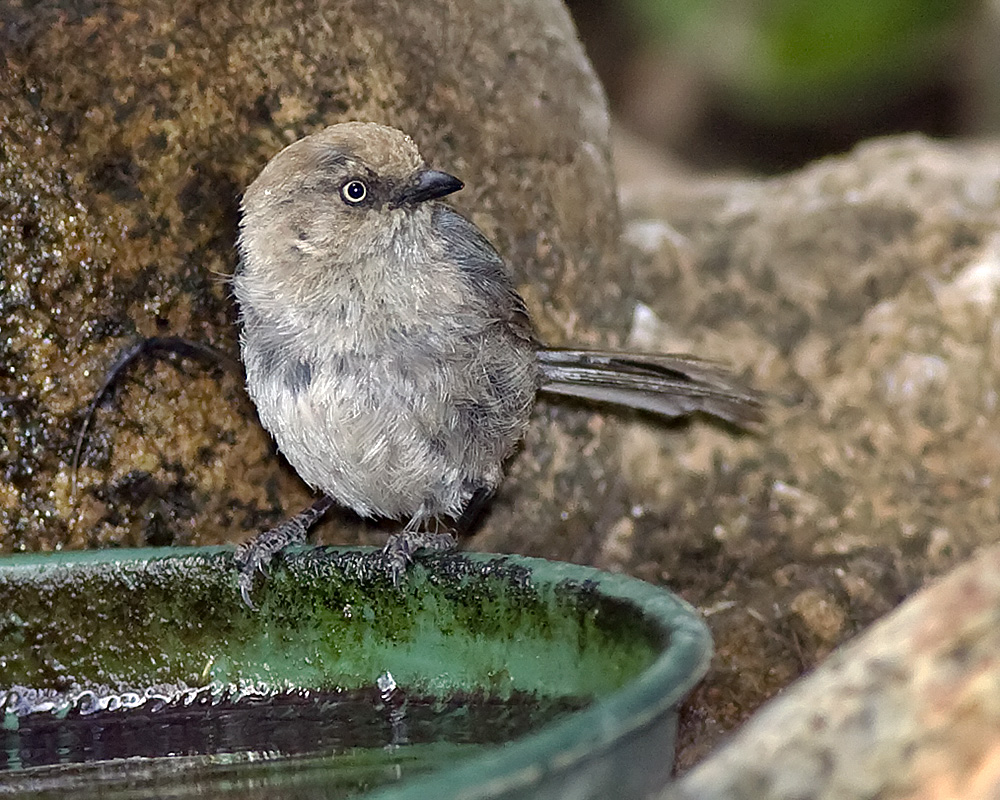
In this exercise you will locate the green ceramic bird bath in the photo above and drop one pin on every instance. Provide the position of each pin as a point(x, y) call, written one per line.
point(141, 674)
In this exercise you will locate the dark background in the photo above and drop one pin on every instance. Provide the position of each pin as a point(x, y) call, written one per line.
point(766, 87)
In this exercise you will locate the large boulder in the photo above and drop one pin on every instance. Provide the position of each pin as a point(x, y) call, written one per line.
point(130, 131)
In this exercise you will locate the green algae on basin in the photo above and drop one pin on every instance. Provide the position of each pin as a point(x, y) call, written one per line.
point(469, 651)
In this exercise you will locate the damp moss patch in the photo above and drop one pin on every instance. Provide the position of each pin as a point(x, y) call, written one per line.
point(325, 619)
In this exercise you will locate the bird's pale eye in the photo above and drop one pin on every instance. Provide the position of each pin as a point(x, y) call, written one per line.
point(354, 191)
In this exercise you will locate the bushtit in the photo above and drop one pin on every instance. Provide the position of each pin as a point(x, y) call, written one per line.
point(387, 350)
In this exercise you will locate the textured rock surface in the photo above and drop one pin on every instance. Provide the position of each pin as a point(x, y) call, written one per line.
point(129, 131)
point(864, 289)
point(909, 710)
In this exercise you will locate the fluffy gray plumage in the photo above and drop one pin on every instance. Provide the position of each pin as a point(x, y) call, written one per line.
point(386, 348)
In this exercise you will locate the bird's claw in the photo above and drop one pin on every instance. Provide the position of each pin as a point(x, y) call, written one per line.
point(401, 548)
point(245, 587)
point(259, 553)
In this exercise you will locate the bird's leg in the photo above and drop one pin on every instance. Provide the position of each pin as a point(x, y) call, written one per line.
point(257, 554)
point(401, 547)
point(472, 513)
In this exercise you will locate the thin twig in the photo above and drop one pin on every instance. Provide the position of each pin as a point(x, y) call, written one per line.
point(156, 346)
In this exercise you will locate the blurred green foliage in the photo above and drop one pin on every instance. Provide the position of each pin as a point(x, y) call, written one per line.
point(796, 60)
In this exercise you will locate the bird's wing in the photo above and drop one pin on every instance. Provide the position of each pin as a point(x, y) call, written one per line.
point(484, 269)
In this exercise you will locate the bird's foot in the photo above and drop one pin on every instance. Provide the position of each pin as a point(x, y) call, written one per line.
point(401, 548)
point(257, 554)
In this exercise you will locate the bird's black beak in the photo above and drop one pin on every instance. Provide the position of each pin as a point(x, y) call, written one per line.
point(428, 184)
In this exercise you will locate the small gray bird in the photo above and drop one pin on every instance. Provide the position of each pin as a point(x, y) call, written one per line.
point(387, 350)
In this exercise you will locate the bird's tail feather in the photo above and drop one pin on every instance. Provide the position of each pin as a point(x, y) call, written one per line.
point(665, 384)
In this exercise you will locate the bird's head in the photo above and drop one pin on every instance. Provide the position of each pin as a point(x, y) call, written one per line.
point(340, 191)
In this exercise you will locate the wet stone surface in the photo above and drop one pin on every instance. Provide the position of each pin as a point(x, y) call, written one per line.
point(129, 132)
